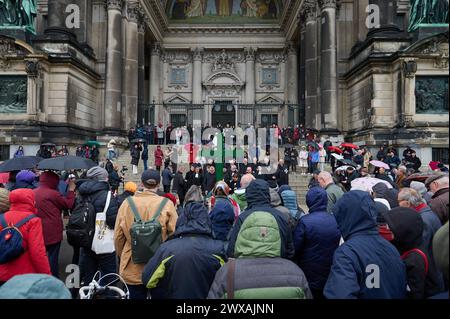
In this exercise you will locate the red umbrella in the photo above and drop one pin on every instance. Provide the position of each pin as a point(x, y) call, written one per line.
point(335, 149)
point(4, 177)
point(350, 145)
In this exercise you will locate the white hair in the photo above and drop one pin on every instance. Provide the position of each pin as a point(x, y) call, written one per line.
point(411, 196)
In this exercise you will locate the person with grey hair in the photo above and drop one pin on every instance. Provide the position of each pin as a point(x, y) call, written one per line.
point(439, 185)
point(239, 195)
point(408, 197)
point(334, 192)
point(422, 190)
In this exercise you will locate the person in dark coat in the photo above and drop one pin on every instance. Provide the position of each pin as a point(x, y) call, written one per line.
point(135, 156)
point(439, 185)
point(185, 265)
point(380, 173)
point(222, 219)
point(282, 174)
point(365, 260)
point(189, 176)
point(94, 154)
point(50, 204)
point(96, 190)
point(144, 157)
point(179, 185)
point(381, 155)
point(316, 238)
point(209, 179)
point(114, 179)
point(197, 177)
point(167, 177)
point(413, 162)
point(407, 227)
point(258, 199)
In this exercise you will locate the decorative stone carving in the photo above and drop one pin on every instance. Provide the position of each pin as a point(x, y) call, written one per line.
point(291, 49)
point(309, 10)
point(32, 68)
point(133, 12)
point(327, 4)
point(197, 54)
point(223, 63)
point(156, 48)
point(114, 5)
point(235, 56)
point(271, 57)
point(176, 56)
point(141, 20)
point(441, 62)
point(250, 54)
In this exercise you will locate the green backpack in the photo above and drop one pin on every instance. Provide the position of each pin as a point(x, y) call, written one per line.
point(145, 235)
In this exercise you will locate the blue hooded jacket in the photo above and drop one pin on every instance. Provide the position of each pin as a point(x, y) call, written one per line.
point(222, 219)
point(184, 267)
point(316, 238)
point(258, 199)
point(365, 266)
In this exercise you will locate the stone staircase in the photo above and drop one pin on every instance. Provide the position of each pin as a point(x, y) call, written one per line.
point(299, 183)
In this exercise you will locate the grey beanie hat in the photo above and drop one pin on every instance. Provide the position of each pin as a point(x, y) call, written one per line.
point(98, 174)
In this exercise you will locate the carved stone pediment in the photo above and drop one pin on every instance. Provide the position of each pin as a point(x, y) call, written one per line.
point(436, 47)
point(177, 99)
point(224, 84)
point(270, 99)
point(10, 47)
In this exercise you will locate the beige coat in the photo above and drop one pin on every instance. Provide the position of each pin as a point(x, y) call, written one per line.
point(146, 203)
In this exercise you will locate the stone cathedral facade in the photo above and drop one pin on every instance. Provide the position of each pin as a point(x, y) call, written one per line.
point(94, 68)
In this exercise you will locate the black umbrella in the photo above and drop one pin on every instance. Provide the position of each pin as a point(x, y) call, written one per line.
point(48, 144)
point(348, 162)
point(20, 163)
point(65, 163)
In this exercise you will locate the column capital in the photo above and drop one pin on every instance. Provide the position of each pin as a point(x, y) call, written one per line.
point(291, 49)
point(156, 49)
point(114, 5)
point(197, 54)
point(309, 10)
point(324, 4)
point(250, 54)
point(141, 20)
point(133, 12)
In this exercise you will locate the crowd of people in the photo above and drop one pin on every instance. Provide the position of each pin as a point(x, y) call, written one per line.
point(246, 222)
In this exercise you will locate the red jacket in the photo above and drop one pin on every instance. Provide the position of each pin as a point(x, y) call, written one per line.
point(158, 157)
point(34, 260)
point(49, 204)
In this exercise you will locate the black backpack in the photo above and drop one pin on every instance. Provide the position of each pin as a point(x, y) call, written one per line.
point(80, 229)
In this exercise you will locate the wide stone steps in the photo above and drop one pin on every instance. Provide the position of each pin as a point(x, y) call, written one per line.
point(299, 183)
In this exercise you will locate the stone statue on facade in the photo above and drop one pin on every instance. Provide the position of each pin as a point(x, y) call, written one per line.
point(18, 13)
point(427, 12)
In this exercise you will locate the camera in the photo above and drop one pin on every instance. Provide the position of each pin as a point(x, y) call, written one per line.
point(124, 169)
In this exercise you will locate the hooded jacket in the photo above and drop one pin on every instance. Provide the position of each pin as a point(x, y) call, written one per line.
point(353, 262)
point(184, 267)
point(34, 259)
point(259, 272)
point(316, 238)
point(240, 198)
point(407, 228)
point(258, 199)
point(439, 204)
point(97, 193)
point(25, 179)
point(222, 219)
point(50, 204)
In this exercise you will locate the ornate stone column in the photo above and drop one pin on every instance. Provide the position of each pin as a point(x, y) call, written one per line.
point(309, 11)
point(302, 70)
point(197, 56)
point(141, 66)
point(131, 75)
point(293, 76)
point(113, 86)
point(409, 109)
point(328, 69)
point(250, 93)
point(154, 79)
